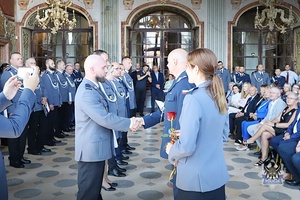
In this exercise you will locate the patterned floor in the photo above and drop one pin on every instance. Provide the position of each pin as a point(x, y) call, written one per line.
point(53, 175)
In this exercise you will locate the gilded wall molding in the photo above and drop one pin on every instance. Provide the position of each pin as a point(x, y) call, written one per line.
point(196, 4)
point(23, 4)
point(88, 4)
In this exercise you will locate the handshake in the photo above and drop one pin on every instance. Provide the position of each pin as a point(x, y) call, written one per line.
point(136, 123)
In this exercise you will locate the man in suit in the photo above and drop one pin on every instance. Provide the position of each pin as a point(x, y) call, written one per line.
point(51, 92)
point(16, 146)
point(260, 77)
point(13, 126)
point(157, 86)
point(94, 124)
point(235, 73)
point(275, 108)
point(177, 63)
point(290, 154)
point(224, 75)
point(237, 118)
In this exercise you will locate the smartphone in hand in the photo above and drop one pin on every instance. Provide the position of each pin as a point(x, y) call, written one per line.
point(22, 72)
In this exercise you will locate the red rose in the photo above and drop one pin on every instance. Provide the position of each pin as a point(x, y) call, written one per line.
point(171, 116)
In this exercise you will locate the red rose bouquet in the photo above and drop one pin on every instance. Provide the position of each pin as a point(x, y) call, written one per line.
point(170, 117)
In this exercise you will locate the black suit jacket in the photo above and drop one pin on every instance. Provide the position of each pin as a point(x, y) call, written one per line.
point(250, 105)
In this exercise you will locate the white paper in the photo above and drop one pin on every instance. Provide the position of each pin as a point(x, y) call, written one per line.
point(70, 97)
point(160, 105)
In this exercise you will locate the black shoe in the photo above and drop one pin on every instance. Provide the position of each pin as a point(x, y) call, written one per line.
point(116, 173)
point(120, 169)
point(257, 153)
point(121, 162)
point(35, 152)
point(59, 135)
point(51, 143)
point(64, 134)
point(292, 182)
point(69, 130)
point(25, 161)
point(130, 148)
point(16, 164)
point(125, 157)
point(109, 189)
point(126, 151)
point(56, 141)
point(46, 150)
point(113, 184)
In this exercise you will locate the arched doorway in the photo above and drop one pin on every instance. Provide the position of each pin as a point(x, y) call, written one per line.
point(156, 31)
point(252, 46)
point(71, 46)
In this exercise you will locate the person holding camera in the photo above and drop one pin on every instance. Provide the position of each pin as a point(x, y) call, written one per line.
point(141, 88)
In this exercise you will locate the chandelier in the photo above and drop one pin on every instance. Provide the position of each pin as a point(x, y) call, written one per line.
point(56, 16)
point(268, 17)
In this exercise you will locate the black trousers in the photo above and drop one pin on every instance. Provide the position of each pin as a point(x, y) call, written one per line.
point(16, 146)
point(238, 132)
point(38, 126)
point(90, 176)
point(53, 121)
point(218, 194)
point(156, 95)
point(140, 95)
point(123, 141)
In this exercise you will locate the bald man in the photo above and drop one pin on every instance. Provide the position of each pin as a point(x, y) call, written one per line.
point(177, 62)
point(93, 133)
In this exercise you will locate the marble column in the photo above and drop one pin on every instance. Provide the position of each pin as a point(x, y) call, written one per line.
point(216, 29)
point(109, 31)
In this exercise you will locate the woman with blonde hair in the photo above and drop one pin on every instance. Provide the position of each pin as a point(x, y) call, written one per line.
point(192, 154)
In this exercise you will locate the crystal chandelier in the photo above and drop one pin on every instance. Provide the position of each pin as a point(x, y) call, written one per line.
point(56, 16)
point(268, 17)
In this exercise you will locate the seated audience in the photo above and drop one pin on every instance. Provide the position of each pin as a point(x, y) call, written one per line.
point(286, 89)
point(275, 127)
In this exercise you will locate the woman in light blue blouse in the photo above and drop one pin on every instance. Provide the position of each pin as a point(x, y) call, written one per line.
point(198, 154)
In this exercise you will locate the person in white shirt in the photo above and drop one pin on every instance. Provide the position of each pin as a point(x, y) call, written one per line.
point(290, 76)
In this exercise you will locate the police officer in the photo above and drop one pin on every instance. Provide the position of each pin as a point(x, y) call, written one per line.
point(242, 77)
point(71, 97)
point(177, 63)
point(224, 75)
point(260, 77)
point(51, 91)
point(77, 75)
point(278, 79)
point(16, 146)
point(13, 126)
point(37, 124)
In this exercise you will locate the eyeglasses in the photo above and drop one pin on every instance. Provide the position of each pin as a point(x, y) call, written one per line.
point(291, 98)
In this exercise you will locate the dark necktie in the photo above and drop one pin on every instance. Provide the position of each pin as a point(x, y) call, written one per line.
point(287, 77)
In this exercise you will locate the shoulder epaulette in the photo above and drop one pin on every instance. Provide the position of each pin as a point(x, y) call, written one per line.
point(88, 86)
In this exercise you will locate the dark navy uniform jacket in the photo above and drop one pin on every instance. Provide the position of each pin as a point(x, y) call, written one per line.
point(173, 103)
point(279, 80)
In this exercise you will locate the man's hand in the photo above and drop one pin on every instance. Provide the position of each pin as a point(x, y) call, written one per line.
point(11, 87)
point(135, 124)
point(31, 82)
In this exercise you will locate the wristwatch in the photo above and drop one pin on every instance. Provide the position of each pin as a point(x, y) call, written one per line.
point(274, 125)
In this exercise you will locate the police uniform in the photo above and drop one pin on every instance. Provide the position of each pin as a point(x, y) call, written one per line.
point(130, 87)
point(77, 76)
point(93, 138)
point(260, 78)
point(278, 80)
point(37, 124)
point(71, 97)
point(16, 146)
point(241, 78)
point(225, 76)
point(51, 92)
point(12, 127)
